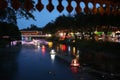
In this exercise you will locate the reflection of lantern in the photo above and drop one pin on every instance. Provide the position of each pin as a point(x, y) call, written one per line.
point(74, 69)
point(52, 57)
point(50, 44)
point(43, 49)
point(3, 4)
point(60, 6)
point(28, 5)
point(69, 7)
point(39, 5)
point(50, 6)
point(63, 47)
point(15, 4)
point(74, 50)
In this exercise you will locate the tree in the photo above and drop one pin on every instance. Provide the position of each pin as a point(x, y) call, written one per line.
point(10, 10)
point(8, 32)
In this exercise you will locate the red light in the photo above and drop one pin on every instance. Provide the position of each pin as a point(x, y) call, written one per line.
point(63, 47)
point(74, 69)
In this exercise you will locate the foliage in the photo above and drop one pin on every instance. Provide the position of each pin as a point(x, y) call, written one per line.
point(10, 14)
point(8, 32)
point(32, 27)
point(84, 22)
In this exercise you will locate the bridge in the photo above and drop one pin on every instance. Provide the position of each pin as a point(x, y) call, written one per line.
point(30, 37)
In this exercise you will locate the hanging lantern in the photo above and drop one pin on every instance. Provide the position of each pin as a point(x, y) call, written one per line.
point(39, 5)
point(94, 10)
point(50, 6)
point(86, 9)
point(3, 4)
point(78, 8)
point(118, 9)
point(114, 12)
point(69, 7)
point(15, 4)
point(101, 10)
point(60, 6)
point(28, 5)
point(108, 9)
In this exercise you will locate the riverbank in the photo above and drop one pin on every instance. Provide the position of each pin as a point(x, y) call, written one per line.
point(87, 68)
point(97, 46)
point(97, 57)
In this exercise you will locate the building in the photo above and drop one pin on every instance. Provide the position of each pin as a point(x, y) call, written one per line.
point(31, 32)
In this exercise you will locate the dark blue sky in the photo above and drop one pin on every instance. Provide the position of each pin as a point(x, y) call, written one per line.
point(44, 17)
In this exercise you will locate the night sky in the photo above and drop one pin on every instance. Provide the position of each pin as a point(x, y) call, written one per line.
point(44, 17)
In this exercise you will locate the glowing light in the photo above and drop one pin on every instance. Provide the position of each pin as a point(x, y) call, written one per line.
point(74, 50)
point(43, 46)
point(75, 63)
point(50, 44)
point(52, 52)
point(38, 46)
point(52, 57)
point(77, 55)
point(63, 47)
point(61, 34)
point(69, 48)
point(48, 35)
point(117, 31)
point(43, 50)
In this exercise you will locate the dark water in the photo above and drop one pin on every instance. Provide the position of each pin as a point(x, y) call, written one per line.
point(33, 63)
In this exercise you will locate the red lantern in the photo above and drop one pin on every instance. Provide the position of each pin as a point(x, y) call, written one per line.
point(39, 5)
point(16, 4)
point(3, 4)
point(50, 6)
point(60, 6)
point(28, 5)
point(69, 7)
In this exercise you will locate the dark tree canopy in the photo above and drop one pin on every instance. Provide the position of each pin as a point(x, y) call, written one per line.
point(9, 29)
point(10, 10)
point(8, 32)
point(83, 22)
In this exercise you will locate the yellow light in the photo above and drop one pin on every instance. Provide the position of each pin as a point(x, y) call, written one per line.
point(50, 44)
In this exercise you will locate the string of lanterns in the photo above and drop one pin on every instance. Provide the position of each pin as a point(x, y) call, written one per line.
point(111, 6)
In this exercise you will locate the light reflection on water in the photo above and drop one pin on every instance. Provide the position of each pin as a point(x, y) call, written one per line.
point(52, 58)
point(98, 61)
point(36, 62)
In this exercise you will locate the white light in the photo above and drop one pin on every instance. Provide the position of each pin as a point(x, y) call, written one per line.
point(52, 52)
point(52, 57)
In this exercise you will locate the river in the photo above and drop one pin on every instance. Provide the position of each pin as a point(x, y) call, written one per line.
point(35, 63)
